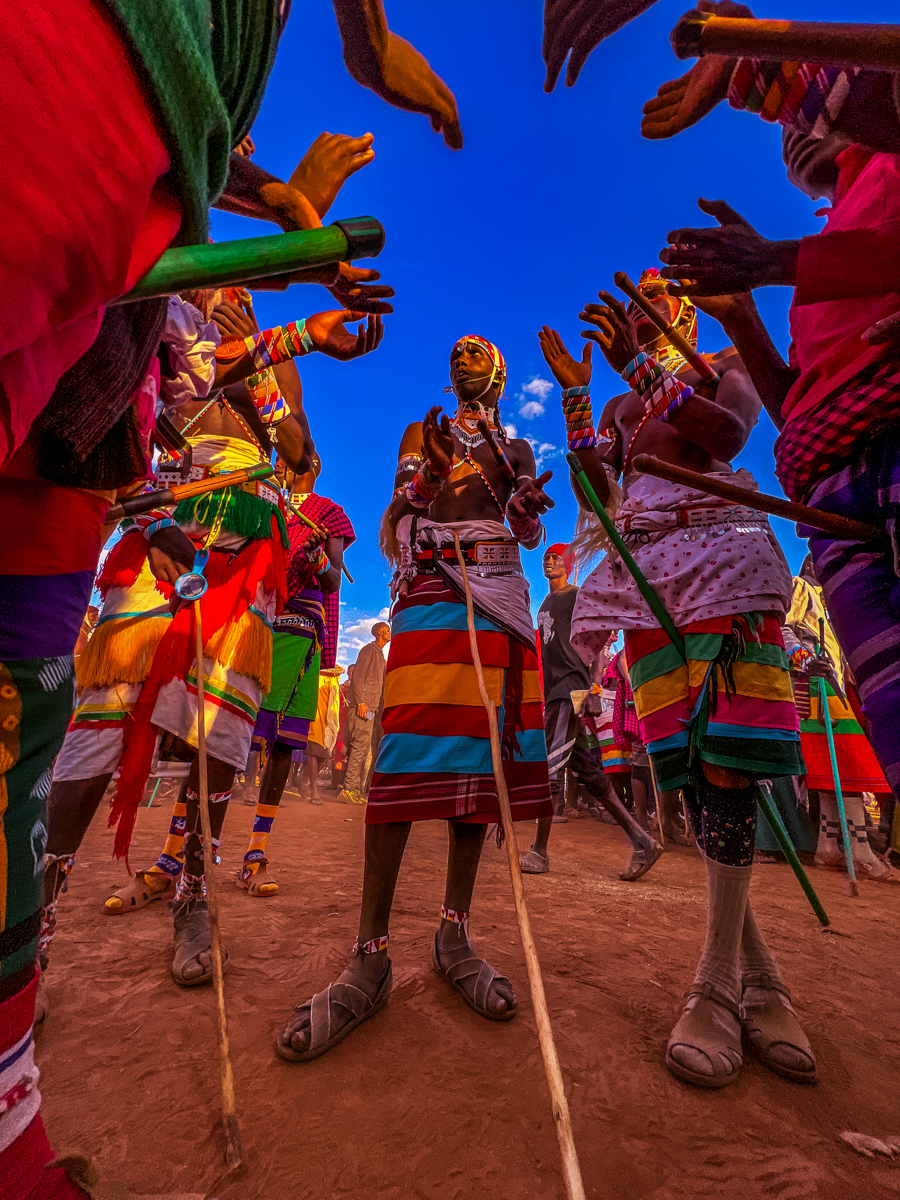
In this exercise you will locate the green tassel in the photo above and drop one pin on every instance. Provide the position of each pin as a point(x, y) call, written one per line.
point(241, 513)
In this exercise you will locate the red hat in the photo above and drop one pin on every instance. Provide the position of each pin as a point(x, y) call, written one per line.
point(559, 548)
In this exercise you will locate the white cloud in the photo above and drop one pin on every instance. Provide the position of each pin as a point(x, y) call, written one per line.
point(537, 388)
point(353, 636)
point(511, 430)
point(531, 409)
point(543, 452)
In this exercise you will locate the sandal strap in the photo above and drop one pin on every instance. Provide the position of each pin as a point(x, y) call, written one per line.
point(347, 995)
point(762, 979)
point(709, 991)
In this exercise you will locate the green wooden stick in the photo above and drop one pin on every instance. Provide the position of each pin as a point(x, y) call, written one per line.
point(773, 817)
point(835, 772)
point(221, 263)
point(659, 611)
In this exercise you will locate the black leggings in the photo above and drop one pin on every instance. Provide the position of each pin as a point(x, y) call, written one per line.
point(724, 821)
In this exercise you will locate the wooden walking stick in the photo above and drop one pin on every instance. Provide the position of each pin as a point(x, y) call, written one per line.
point(852, 886)
point(845, 528)
point(233, 1154)
point(874, 46)
point(659, 611)
point(571, 1168)
point(689, 353)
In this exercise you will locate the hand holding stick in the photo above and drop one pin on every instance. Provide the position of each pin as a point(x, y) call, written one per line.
point(688, 352)
point(562, 1121)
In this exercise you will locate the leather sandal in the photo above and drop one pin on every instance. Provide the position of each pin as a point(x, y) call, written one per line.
point(773, 1032)
point(322, 1035)
point(138, 893)
point(534, 863)
point(253, 882)
point(641, 861)
point(486, 977)
point(707, 1039)
point(84, 1175)
point(193, 944)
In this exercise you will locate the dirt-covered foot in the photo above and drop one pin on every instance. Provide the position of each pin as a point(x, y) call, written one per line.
point(192, 962)
point(642, 860)
point(485, 990)
point(359, 992)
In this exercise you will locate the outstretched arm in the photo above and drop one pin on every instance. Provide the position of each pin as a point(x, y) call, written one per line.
point(395, 70)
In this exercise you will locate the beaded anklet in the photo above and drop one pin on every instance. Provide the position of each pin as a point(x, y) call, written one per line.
point(373, 946)
point(457, 918)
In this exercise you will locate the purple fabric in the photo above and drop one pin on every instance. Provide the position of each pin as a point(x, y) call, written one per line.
point(292, 731)
point(41, 615)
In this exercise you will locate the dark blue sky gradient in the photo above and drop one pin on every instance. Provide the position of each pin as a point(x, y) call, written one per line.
point(550, 196)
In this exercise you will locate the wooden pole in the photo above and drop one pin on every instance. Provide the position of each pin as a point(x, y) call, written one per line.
point(571, 1168)
point(132, 506)
point(233, 1154)
point(874, 46)
point(835, 773)
point(689, 353)
point(844, 528)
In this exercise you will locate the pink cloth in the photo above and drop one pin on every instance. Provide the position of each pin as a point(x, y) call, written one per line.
point(850, 260)
point(85, 208)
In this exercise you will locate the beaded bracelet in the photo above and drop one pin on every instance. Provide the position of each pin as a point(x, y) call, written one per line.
point(267, 398)
point(423, 487)
point(662, 392)
point(156, 525)
point(523, 529)
point(576, 406)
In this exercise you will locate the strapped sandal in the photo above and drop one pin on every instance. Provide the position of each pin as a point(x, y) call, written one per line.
point(138, 894)
point(711, 1028)
point(193, 942)
point(642, 860)
point(877, 870)
point(534, 863)
point(771, 1027)
point(321, 1037)
point(486, 978)
point(254, 881)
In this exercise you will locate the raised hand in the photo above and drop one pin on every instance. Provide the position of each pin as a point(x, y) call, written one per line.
point(732, 258)
point(409, 82)
point(615, 332)
point(328, 164)
point(529, 500)
point(437, 441)
point(580, 26)
point(333, 340)
point(683, 102)
point(357, 288)
point(566, 371)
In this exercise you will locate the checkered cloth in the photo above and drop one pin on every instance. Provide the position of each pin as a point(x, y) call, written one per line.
point(332, 518)
point(820, 442)
point(806, 96)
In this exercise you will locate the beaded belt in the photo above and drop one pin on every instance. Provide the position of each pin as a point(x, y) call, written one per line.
point(700, 517)
point(485, 558)
point(293, 621)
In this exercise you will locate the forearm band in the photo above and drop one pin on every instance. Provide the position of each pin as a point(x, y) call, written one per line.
point(663, 394)
point(267, 398)
point(423, 487)
point(806, 96)
point(576, 405)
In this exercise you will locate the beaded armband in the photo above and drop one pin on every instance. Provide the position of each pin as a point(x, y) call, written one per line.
point(806, 96)
point(576, 405)
point(662, 393)
point(322, 562)
point(267, 398)
point(152, 522)
point(274, 346)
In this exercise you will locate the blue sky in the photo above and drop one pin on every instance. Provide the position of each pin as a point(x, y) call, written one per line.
point(550, 196)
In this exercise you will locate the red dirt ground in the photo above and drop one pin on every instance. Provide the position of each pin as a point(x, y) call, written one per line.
point(428, 1100)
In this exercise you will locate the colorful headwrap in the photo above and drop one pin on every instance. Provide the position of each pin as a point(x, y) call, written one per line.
point(685, 320)
point(498, 362)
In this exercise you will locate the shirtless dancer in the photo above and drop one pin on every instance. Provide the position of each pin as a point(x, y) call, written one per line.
point(232, 430)
point(716, 726)
point(434, 759)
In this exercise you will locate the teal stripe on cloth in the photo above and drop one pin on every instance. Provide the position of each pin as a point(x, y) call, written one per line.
point(719, 729)
point(436, 616)
point(404, 753)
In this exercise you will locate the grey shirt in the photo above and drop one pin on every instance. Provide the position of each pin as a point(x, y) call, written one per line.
point(367, 683)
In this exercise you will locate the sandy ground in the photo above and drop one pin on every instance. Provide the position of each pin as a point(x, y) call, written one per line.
point(429, 1100)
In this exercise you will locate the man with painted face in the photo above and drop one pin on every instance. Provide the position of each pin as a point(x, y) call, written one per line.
point(569, 740)
point(715, 725)
point(462, 475)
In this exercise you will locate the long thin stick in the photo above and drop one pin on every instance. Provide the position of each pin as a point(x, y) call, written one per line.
point(166, 497)
point(233, 1155)
point(688, 352)
point(845, 528)
point(659, 611)
point(571, 1168)
point(875, 46)
point(836, 774)
point(773, 818)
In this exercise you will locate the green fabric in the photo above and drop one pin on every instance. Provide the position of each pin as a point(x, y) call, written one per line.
point(207, 63)
point(306, 697)
point(290, 652)
point(36, 696)
point(242, 513)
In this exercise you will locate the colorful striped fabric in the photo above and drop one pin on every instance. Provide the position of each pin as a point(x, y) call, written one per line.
point(861, 587)
point(434, 760)
point(753, 730)
point(857, 765)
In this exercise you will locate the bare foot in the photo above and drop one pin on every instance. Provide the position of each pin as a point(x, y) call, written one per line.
point(683, 102)
point(328, 164)
point(483, 989)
